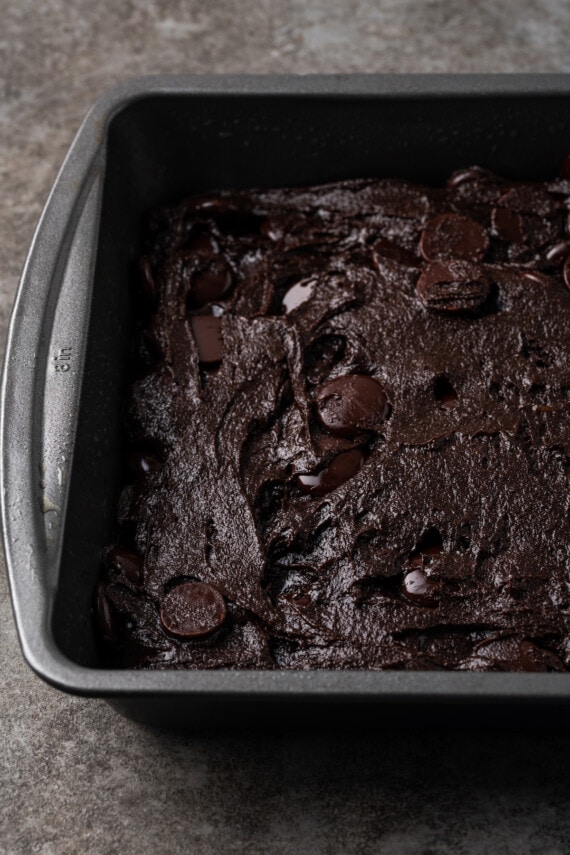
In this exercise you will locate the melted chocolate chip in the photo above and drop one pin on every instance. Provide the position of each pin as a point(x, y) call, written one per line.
point(127, 562)
point(342, 467)
point(207, 332)
point(211, 284)
point(298, 294)
point(350, 404)
point(192, 610)
point(454, 286)
point(420, 588)
point(453, 236)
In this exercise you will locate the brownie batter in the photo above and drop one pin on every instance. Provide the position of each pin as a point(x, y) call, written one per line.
point(349, 435)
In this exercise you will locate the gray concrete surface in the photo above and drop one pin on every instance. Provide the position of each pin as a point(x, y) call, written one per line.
point(73, 776)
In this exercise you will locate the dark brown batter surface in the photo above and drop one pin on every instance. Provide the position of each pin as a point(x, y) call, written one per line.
point(350, 435)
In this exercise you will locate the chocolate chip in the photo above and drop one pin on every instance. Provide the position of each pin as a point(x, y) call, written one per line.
point(350, 404)
point(525, 231)
point(566, 273)
point(207, 332)
point(528, 199)
point(453, 236)
point(143, 462)
point(127, 562)
point(342, 467)
point(211, 284)
point(472, 173)
point(106, 617)
point(298, 294)
point(420, 588)
point(507, 225)
point(558, 252)
point(192, 610)
point(453, 286)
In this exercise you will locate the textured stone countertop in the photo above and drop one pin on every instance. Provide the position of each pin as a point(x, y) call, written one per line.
point(74, 777)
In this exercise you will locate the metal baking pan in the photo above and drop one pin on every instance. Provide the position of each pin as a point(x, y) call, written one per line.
point(152, 140)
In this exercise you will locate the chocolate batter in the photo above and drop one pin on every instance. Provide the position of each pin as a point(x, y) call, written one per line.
point(349, 436)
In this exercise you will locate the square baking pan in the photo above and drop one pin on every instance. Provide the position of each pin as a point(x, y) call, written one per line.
point(154, 140)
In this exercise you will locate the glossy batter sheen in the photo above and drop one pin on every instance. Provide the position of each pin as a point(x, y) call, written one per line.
point(349, 435)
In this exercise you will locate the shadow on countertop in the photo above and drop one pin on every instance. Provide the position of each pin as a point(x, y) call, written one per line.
point(368, 791)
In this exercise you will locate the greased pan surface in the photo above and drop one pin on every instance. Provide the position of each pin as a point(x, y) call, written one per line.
point(153, 140)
